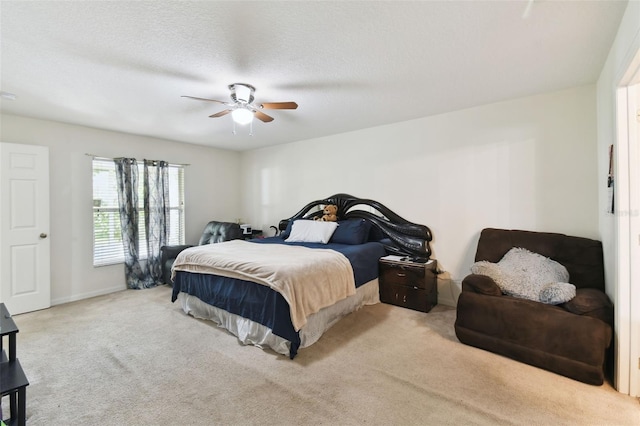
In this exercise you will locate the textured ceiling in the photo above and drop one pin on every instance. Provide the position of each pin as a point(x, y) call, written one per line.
point(348, 64)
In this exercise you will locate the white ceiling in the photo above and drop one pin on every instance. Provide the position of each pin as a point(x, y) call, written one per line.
point(123, 65)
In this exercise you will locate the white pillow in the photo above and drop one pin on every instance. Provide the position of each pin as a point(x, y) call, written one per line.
point(311, 231)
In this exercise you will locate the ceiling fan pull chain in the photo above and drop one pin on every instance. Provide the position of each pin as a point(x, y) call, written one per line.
point(234, 127)
point(251, 128)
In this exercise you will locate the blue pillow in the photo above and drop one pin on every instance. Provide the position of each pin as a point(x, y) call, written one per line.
point(285, 234)
point(351, 231)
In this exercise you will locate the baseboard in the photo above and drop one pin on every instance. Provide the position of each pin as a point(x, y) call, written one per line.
point(446, 301)
point(76, 297)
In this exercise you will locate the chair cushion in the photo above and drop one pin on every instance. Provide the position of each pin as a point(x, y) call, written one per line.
point(217, 232)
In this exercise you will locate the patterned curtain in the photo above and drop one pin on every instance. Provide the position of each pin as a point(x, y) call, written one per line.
point(156, 214)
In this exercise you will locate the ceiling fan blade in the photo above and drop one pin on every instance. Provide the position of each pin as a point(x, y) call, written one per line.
point(220, 114)
point(204, 99)
point(279, 105)
point(263, 117)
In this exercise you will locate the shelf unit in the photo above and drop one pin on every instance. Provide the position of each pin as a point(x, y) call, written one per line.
point(13, 381)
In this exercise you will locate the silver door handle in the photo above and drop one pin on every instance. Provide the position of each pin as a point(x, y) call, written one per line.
point(43, 235)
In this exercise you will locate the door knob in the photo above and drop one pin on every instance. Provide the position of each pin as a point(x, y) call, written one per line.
point(43, 235)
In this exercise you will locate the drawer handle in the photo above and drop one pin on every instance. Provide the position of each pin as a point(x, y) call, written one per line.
point(400, 274)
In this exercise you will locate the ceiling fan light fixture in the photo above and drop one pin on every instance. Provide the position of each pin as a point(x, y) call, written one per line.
point(242, 108)
point(242, 93)
point(242, 116)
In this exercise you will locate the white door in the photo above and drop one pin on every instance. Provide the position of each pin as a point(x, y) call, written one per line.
point(634, 247)
point(24, 227)
point(627, 215)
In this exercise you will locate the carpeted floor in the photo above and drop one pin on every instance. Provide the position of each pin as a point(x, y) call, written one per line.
point(134, 358)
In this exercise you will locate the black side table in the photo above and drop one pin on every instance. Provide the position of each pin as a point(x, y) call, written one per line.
point(13, 381)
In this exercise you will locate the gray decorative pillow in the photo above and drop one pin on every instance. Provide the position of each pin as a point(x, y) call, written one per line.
point(557, 293)
point(522, 273)
point(490, 270)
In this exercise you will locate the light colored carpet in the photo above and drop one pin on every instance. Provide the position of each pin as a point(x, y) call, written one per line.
point(134, 358)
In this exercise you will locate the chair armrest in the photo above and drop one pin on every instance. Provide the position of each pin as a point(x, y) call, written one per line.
point(590, 302)
point(168, 255)
point(171, 252)
point(481, 284)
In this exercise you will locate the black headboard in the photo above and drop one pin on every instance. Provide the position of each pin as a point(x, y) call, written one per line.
point(399, 236)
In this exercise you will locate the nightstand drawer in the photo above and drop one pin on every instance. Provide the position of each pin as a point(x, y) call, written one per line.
point(402, 275)
point(408, 297)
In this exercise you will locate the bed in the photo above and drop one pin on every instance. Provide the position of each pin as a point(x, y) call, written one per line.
point(284, 292)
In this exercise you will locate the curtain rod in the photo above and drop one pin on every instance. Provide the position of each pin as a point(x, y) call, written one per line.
point(97, 157)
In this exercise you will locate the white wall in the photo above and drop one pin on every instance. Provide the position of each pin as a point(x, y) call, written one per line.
point(528, 163)
point(517, 164)
point(617, 264)
point(211, 192)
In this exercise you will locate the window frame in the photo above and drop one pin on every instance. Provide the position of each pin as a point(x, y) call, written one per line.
point(112, 251)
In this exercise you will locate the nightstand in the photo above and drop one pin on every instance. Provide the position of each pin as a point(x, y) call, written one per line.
point(408, 284)
point(255, 233)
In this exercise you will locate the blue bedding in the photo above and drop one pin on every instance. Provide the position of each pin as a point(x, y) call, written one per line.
point(363, 257)
point(260, 303)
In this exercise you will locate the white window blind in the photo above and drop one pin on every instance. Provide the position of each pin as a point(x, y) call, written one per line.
point(107, 237)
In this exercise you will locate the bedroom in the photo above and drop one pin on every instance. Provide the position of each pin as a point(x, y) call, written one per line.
point(442, 184)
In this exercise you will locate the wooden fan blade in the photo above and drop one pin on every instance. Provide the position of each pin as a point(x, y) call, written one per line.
point(203, 99)
point(263, 117)
point(279, 105)
point(220, 114)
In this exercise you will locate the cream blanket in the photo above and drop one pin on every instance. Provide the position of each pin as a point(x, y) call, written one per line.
point(308, 279)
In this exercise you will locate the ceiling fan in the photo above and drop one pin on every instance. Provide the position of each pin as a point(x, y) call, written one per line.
point(242, 108)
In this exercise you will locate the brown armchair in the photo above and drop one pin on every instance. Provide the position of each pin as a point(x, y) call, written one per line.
point(571, 339)
point(214, 232)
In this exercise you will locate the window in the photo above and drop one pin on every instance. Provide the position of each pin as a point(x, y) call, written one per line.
point(107, 238)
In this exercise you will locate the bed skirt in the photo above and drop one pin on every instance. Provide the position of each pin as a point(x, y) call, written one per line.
point(251, 332)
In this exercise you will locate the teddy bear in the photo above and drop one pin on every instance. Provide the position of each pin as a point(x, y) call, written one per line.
point(329, 213)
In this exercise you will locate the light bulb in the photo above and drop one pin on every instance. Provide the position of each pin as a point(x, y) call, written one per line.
point(242, 116)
